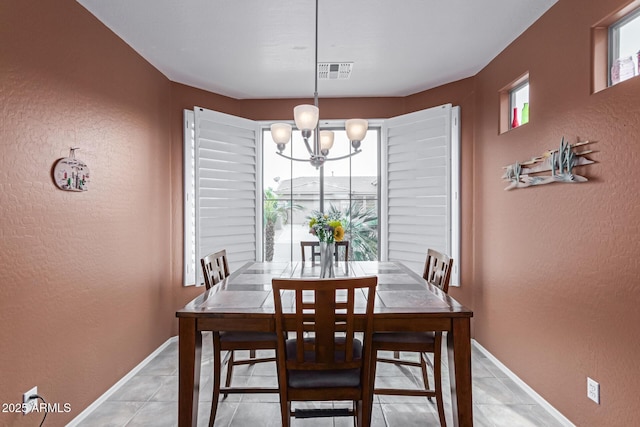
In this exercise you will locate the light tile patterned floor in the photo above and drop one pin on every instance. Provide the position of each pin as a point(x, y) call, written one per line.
point(150, 398)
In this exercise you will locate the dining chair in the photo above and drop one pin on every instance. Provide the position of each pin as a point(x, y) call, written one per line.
point(321, 356)
point(215, 268)
point(315, 250)
point(437, 272)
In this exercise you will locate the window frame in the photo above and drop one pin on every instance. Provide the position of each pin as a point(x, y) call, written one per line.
point(601, 51)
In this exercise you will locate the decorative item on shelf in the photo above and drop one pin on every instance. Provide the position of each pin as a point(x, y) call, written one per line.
point(525, 113)
point(71, 174)
point(514, 123)
point(328, 229)
point(306, 119)
point(622, 69)
point(560, 162)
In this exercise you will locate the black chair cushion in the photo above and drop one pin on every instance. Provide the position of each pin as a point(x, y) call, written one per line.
point(324, 379)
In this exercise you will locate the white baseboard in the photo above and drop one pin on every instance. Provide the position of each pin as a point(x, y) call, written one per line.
point(119, 384)
point(531, 392)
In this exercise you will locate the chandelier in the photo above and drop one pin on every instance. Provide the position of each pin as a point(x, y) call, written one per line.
point(306, 119)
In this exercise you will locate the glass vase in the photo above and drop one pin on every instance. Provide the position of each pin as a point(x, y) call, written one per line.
point(514, 123)
point(525, 113)
point(326, 260)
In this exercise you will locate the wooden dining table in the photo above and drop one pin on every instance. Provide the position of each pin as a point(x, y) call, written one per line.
point(404, 302)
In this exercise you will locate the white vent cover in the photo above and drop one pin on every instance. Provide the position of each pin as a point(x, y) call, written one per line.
point(334, 70)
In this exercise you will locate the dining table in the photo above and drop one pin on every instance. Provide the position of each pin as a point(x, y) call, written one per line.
point(404, 302)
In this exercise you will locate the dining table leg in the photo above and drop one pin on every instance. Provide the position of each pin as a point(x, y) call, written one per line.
point(189, 360)
point(459, 354)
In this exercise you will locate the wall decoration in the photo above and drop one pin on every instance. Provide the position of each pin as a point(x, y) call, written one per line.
point(71, 174)
point(560, 162)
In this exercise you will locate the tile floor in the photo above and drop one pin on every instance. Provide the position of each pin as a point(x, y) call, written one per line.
point(150, 398)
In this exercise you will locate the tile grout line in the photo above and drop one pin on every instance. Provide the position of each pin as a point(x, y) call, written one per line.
point(105, 396)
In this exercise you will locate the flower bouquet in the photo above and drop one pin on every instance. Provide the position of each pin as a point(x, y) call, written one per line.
point(328, 229)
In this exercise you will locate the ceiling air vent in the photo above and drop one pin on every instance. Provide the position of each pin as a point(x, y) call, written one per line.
point(334, 70)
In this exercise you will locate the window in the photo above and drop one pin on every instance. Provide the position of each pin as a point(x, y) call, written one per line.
point(624, 48)
point(514, 103)
point(399, 196)
point(292, 190)
point(519, 105)
point(615, 46)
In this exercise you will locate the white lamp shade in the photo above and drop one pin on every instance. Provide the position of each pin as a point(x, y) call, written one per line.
point(306, 116)
point(356, 129)
point(326, 139)
point(281, 133)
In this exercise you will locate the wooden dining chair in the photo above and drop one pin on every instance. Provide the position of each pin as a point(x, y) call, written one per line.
point(215, 268)
point(320, 358)
point(437, 271)
point(315, 250)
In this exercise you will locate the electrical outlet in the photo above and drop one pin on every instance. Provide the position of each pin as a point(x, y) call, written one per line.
point(593, 390)
point(29, 404)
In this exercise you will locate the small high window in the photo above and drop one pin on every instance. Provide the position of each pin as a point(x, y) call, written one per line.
point(514, 103)
point(519, 105)
point(624, 48)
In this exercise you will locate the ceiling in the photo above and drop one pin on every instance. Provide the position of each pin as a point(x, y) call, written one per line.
point(252, 49)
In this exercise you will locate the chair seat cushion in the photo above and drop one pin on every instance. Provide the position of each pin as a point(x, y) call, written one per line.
point(404, 337)
point(241, 336)
point(325, 378)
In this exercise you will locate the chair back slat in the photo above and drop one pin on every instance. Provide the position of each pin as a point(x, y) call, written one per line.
point(315, 250)
point(215, 268)
point(437, 269)
point(324, 322)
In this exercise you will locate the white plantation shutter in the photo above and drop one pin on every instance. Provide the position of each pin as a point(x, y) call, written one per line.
point(420, 186)
point(226, 186)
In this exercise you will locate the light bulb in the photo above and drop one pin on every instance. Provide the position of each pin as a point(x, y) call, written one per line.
point(306, 116)
point(356, 129)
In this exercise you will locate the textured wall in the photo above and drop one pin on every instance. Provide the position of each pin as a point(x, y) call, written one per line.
point(85, 293)
point(556, 273)
point(90, 282)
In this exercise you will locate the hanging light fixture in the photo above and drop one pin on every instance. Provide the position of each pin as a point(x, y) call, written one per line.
point(306, 118)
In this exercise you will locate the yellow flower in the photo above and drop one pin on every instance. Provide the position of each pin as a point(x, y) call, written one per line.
point(338, 233)
point(312, 222)
point(334, 224)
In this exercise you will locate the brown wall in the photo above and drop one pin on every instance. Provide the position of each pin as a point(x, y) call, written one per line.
point(85, 289)
point(556, 268)
point(90, 282)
